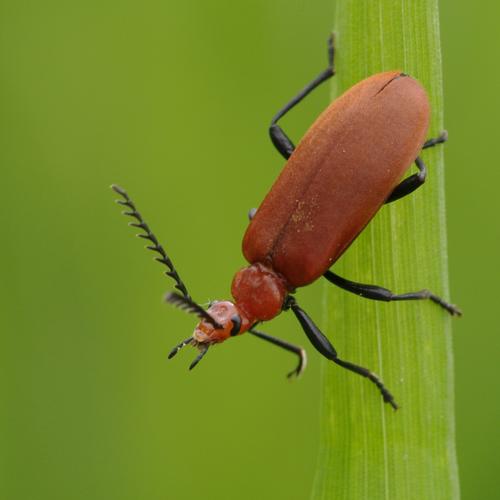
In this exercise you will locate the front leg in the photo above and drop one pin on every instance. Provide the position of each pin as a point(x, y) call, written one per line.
point(323, 345)
point(289, 347)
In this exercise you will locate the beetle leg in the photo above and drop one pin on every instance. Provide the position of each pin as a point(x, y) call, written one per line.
point(413, 182)
point(280, 140)
point(323, 345)
point(408, 185)
point(443, 137)
point(375, 292)
point(289, 347)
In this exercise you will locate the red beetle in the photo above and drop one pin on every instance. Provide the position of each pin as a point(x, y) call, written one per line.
point(346, 167)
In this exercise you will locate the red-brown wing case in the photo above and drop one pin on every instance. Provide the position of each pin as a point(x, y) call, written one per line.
point(341, 173)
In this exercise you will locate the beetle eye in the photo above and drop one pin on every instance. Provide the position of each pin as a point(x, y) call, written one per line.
point(236, 320)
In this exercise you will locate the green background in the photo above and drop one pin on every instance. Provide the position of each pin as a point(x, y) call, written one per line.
point(172, 101)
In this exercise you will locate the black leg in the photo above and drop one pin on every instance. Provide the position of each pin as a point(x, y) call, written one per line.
point(443, 137)
point(280, 140)
point(323, 345)
point(410, 184)
point(375, 292)
point(289, 347)
point(148, 235)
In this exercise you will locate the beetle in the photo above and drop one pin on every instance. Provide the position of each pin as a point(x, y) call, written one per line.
point(346, 167)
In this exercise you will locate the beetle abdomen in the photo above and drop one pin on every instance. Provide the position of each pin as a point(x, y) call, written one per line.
point(341, 173)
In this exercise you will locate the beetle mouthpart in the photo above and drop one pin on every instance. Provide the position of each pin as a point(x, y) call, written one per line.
point(203, 350)
point(178, 347)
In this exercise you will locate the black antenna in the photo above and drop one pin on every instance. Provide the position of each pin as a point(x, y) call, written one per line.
point(148, 235)
point(187, 304)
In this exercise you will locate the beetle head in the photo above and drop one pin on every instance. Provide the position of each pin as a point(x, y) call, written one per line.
point(230, 321)
point(222, 320)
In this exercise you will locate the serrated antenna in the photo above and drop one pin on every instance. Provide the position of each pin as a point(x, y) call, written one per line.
point(148, 235)
point(190, 306)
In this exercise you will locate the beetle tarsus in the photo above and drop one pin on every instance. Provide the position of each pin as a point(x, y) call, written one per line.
point(331, 52)
point(364, 372)
point(301, 353)
point(300, 367)
point(451, 308)
point(440, 139)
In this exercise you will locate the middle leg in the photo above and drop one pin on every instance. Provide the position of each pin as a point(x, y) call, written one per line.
point(375, 292)
point(285, 345)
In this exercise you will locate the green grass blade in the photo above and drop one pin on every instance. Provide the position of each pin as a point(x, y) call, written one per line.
point(368, 450)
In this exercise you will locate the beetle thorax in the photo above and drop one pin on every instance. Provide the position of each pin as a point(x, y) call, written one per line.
point(259, 292)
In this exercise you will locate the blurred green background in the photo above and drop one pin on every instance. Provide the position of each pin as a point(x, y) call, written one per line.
point(172, 101)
